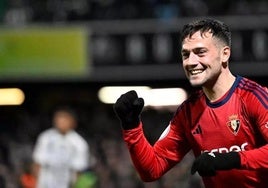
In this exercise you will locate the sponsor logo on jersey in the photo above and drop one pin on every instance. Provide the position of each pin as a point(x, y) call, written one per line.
point(235, 148)
point(212, 154)
point(233, 124)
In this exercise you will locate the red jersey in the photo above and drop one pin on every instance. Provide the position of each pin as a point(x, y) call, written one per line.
point(237, 122)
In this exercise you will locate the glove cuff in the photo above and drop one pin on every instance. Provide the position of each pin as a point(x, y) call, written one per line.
point(235, 158)
point(130, 124)
point(227, 161)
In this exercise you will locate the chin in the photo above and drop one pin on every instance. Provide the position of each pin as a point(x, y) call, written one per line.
point(196, 83)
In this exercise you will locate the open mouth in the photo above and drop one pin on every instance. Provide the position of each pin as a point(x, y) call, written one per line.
point(196, 71)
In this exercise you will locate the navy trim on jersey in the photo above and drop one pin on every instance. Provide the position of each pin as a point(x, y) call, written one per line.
point(222, 102)
point(257, 91)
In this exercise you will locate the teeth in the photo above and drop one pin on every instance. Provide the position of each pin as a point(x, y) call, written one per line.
point(198, 71)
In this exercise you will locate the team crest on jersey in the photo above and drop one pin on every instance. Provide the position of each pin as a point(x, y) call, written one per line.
point(266, 125)
point(233, 124)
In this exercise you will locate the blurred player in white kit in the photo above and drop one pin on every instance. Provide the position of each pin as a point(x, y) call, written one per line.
point(60, 153)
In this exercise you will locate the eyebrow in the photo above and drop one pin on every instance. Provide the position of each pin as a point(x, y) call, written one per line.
point(184, 51)
point(194, 49)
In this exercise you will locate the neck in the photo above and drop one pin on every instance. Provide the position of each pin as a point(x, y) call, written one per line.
point(219, 87)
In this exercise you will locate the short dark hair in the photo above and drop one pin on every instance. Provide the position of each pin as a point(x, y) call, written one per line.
point(65, 109)
point(216, 27)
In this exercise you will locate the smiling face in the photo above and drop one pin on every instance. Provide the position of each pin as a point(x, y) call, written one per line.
point(204, 58)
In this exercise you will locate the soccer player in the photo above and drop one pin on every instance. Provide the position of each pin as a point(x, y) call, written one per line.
point(225, 123)
point(60, 152)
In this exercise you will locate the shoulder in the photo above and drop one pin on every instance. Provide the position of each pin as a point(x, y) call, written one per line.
point(191, 104)
point(196, 96)
point(251, 86)
point(47, 133)
point(253, 92)
point(77, 139)
point(44, 137)
point(194, 99)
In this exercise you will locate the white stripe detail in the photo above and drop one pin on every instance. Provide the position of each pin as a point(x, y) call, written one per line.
point(164, 133)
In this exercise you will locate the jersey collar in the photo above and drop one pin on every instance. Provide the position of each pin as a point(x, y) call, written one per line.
point(226, 97)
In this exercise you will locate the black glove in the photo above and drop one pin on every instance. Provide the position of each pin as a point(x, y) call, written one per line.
point(208, 163)
point(128, 108)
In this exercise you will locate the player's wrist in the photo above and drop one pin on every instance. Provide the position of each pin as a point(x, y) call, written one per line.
point(208, 163)
point(227, 161)
point(128, 124)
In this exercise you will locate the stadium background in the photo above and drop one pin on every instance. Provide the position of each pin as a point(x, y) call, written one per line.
point(63, 51)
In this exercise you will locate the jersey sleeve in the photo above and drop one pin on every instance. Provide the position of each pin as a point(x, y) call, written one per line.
point(80, 160)
point(39, 152)
point(150, 161)
point(257, 105)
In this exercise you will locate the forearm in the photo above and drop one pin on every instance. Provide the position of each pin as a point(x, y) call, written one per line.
point(149, 164)
point(254, 159)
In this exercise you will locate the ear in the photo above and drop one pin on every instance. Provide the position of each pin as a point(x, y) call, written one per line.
point(226, 53)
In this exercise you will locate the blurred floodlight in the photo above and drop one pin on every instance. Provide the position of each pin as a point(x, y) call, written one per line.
point(166, 97)
point(11, 96)
point(152, 97)
point(109, 95)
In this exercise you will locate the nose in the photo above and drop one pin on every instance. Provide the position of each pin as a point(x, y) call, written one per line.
point(193, 59)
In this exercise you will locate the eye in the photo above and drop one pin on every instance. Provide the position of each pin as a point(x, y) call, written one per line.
point(185, 55)
point(201, 52)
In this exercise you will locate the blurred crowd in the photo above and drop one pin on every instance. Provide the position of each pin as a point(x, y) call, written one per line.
point(36, 11)
point(110, 164)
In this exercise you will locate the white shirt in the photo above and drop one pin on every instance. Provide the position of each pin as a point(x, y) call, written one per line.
point(59, 157)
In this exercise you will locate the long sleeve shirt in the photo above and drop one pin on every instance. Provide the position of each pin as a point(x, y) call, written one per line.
point(236, 122)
